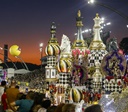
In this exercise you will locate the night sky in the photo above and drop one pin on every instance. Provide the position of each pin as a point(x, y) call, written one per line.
point(26, 23)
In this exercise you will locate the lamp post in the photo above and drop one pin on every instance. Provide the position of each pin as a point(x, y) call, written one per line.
point(41, 52)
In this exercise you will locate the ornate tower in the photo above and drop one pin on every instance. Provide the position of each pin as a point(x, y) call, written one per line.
point(97, 78)
point(52, 51)
point(97, 43)
point(97, 47)
point(79, 54)
point(79, 46)
point(64, 65)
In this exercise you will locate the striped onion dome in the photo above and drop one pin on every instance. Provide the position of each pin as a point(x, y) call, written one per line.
point(76, 95)
point(64, 65)
point(53, 48)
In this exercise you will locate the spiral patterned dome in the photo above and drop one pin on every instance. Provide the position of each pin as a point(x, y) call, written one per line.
point(76, 95)
point(64, 65)
point(53, 48)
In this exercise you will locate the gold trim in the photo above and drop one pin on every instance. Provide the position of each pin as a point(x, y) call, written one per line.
point(51, 79)
point(79, 13)
point(97, 26)
point(97, 45)
point(82, 43)
point(97, 15)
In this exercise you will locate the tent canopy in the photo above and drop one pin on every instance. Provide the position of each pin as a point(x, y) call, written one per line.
point(21, 71)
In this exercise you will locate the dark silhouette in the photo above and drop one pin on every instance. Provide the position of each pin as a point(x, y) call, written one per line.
point(51, 108)
point(46, 104)
point(93, 108)
point(123, 45)
point(19, 65)
point(112, 45)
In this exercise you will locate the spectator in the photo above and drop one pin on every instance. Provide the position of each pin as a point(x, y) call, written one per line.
point(12, 93)
point(46, 104)
point(3, 84)
point(51, 109)
point(38, 99)
point(17, 87)
point(24, 104)
point(59, 107)
point(94, 108)
point(68, 108)
point(4, 101)
point(21, 96)
point(91, 96)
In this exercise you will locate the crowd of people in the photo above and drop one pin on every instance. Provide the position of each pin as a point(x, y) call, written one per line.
point(12, 100)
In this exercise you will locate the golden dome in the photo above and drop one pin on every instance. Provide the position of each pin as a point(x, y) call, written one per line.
point(64, 65)
point(53, 48)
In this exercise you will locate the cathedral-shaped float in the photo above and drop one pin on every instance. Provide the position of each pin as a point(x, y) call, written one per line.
point(77, 71)
point(76, 68)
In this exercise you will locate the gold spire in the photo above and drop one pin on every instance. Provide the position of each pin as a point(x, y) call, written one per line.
point(52, 49)
point(79, 13)
point(79, 19)
point(97, 42)
point(79, 42)
point(53, 30)
point(97, 15)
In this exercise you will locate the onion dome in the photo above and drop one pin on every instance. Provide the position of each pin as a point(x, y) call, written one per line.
point(97, 43)
point(79, 42)
point(76, 95)
point(64, 65)
point(52, 49)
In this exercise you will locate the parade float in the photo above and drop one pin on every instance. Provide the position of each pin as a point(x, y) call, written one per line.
point(77, 72)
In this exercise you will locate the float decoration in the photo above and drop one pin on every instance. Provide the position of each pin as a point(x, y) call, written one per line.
point(114, 64)
point(15, 50)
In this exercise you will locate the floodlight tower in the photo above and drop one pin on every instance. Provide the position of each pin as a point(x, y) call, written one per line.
point(41, 52)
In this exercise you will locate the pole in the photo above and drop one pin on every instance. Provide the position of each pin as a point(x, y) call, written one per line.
point(5, 53)
point(41, 58)
point(23, 62)
point(41, 51)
